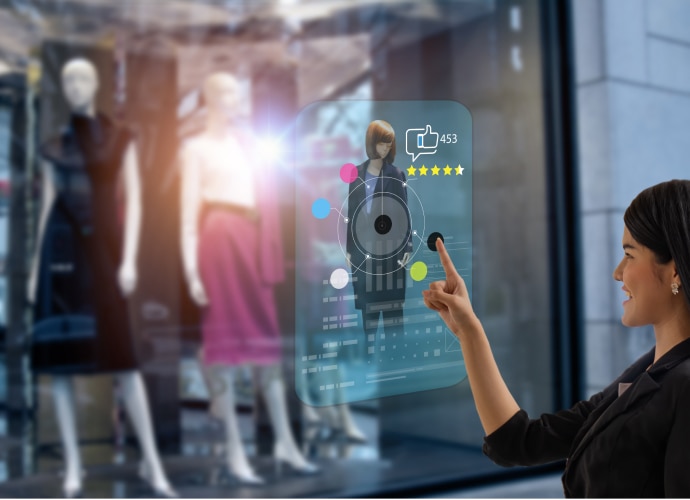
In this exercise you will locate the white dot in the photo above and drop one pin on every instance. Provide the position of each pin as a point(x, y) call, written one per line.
point(368, 256)
point(339, 278)
point(414, 232)
point(347, 219)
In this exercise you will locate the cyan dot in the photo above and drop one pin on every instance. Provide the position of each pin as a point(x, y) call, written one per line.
point(321, 208)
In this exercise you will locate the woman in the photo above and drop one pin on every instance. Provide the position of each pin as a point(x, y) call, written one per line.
point(379, 239)
point(633, 438)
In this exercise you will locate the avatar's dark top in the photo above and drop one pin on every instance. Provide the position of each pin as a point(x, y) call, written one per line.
point(382, 232)
point(82, 321)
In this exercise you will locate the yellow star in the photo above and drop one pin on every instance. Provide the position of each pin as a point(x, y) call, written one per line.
point(411, 170)
point(434, 171)
point(423, 170)
point(447, 170)
point(459, 169)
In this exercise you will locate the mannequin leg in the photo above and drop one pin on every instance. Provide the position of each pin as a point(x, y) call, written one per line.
point(214, 410)
point(137, 406)
point(63, 396)
point(352, 432)
point(285, 448)
point(222, 390)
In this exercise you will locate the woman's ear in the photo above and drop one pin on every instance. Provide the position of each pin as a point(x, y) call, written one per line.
point(675, 277)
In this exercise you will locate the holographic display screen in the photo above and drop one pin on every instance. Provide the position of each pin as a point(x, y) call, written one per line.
point(365, 245)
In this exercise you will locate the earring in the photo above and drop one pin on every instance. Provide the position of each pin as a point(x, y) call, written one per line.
point(674, 288)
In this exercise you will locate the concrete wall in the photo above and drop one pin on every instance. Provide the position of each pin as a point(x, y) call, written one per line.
point(633, 91)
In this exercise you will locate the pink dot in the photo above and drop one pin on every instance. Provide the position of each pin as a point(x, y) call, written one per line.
point(348, 173)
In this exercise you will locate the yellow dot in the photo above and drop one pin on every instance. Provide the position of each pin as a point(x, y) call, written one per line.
point(418, 271)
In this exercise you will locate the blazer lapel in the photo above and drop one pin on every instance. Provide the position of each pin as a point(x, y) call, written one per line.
point(636, 394)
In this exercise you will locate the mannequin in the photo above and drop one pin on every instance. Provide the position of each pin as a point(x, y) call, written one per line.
point(79, 184)
point(232, 259)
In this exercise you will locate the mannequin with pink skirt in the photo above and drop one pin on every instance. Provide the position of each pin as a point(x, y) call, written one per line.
point(233, 259)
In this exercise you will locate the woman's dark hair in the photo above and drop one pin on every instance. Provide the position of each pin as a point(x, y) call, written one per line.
point(380, 131)
point(659, 218)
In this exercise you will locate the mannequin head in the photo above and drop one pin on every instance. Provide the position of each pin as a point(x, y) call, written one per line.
point(222, 94)
point(79, 85)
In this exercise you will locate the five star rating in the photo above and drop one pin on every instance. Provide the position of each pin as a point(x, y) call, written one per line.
point(435, 170)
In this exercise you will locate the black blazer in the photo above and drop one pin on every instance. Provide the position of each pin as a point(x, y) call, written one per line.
point(380, 279)
point(633, 445)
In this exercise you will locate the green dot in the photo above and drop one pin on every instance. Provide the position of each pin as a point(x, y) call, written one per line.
point(418, 271)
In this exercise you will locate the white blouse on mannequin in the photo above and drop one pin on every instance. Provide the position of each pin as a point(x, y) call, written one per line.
point(214, 170)
point(218, 171)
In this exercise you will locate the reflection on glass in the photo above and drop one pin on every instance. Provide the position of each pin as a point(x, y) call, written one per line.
point(350, 58)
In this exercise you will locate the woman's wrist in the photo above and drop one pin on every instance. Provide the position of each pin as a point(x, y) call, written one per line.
point(469, 329)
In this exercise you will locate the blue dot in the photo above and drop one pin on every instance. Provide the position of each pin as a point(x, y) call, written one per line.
point(321, 208)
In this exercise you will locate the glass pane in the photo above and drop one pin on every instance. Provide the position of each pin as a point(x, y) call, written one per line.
point(230, 300)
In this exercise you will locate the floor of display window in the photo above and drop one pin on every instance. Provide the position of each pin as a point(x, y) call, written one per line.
point(346, 469)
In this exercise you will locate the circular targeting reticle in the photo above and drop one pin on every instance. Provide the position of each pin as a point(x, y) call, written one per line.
point(387, 228)
point(431, 241)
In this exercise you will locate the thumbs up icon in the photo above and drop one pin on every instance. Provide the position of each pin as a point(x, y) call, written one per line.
point(420, 141)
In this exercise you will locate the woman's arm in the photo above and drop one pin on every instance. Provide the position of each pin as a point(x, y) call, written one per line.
point(47, 200)
point(128, 268)
point(512, 438)
point(495, 404)
point(676, 477)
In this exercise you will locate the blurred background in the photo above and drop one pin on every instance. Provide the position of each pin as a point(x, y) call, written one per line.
point(576, 107)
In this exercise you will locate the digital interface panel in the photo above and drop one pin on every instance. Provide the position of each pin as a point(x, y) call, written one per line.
point(365, 245)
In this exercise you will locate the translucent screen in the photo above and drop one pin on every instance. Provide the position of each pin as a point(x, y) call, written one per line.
point(365, 245)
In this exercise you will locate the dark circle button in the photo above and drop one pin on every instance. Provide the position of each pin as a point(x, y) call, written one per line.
point(383, 224)
point(431, 241)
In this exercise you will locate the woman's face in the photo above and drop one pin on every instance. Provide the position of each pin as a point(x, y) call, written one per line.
point(383, 148)
point(646, 283)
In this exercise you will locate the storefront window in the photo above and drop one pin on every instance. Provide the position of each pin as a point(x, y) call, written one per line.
point(185, 154)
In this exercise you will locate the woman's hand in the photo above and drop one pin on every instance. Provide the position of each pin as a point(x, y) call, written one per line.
point(450, 297)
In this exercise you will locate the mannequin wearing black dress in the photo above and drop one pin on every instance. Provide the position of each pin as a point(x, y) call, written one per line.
point(81, 175)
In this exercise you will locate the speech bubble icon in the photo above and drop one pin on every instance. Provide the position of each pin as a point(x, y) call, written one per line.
point(420, 141)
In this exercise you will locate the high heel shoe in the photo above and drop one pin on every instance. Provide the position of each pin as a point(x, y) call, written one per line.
point(164, 490)
point(295, 461)
point(75, 489)
point(72, 490)
point(246, 477)
point(237, 467)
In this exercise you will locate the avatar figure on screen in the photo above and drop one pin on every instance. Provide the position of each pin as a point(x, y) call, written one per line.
point(85, 268)
point(233, 259)
point(379, 239)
